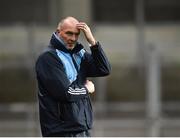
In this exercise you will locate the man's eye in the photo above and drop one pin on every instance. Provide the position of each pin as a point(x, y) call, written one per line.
point(69, 33)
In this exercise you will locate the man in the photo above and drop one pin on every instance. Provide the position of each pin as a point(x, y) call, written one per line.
point(62, 71)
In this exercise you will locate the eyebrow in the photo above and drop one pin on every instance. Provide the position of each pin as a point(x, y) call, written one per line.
point(69, 32)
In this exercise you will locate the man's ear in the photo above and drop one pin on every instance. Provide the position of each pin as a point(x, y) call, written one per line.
point(57, 30)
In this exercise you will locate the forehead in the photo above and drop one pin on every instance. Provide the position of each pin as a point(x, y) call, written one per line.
point(70, 26)
point(70, 29)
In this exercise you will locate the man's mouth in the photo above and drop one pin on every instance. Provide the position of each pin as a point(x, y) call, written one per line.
point(70, 44)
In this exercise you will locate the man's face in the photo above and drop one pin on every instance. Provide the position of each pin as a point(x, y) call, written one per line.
point(70, 35)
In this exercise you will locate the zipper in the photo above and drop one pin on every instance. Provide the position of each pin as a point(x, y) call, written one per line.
point(75, 63)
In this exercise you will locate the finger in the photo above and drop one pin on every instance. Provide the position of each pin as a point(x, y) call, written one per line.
point(82, 25)
point(83, 28)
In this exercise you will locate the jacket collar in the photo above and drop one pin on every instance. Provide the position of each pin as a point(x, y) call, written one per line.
point(58, 43)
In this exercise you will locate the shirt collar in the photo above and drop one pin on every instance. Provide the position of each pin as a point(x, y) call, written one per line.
point(59, 38)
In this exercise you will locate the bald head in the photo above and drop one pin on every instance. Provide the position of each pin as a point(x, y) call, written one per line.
point(67, 22)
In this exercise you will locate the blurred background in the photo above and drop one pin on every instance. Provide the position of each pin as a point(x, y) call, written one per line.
point(141, 38)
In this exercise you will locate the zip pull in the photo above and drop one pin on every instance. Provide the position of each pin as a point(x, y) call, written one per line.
point(74, 62)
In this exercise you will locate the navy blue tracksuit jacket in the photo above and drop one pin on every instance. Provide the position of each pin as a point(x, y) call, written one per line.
point(64, 102)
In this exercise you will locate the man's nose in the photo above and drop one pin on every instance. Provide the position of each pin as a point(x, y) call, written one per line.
point(73, 37)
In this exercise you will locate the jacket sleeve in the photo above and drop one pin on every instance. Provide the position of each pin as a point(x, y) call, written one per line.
point(52, 80)
point(97, 63)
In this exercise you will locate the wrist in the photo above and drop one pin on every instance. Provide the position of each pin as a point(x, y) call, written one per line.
point(92, 43)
